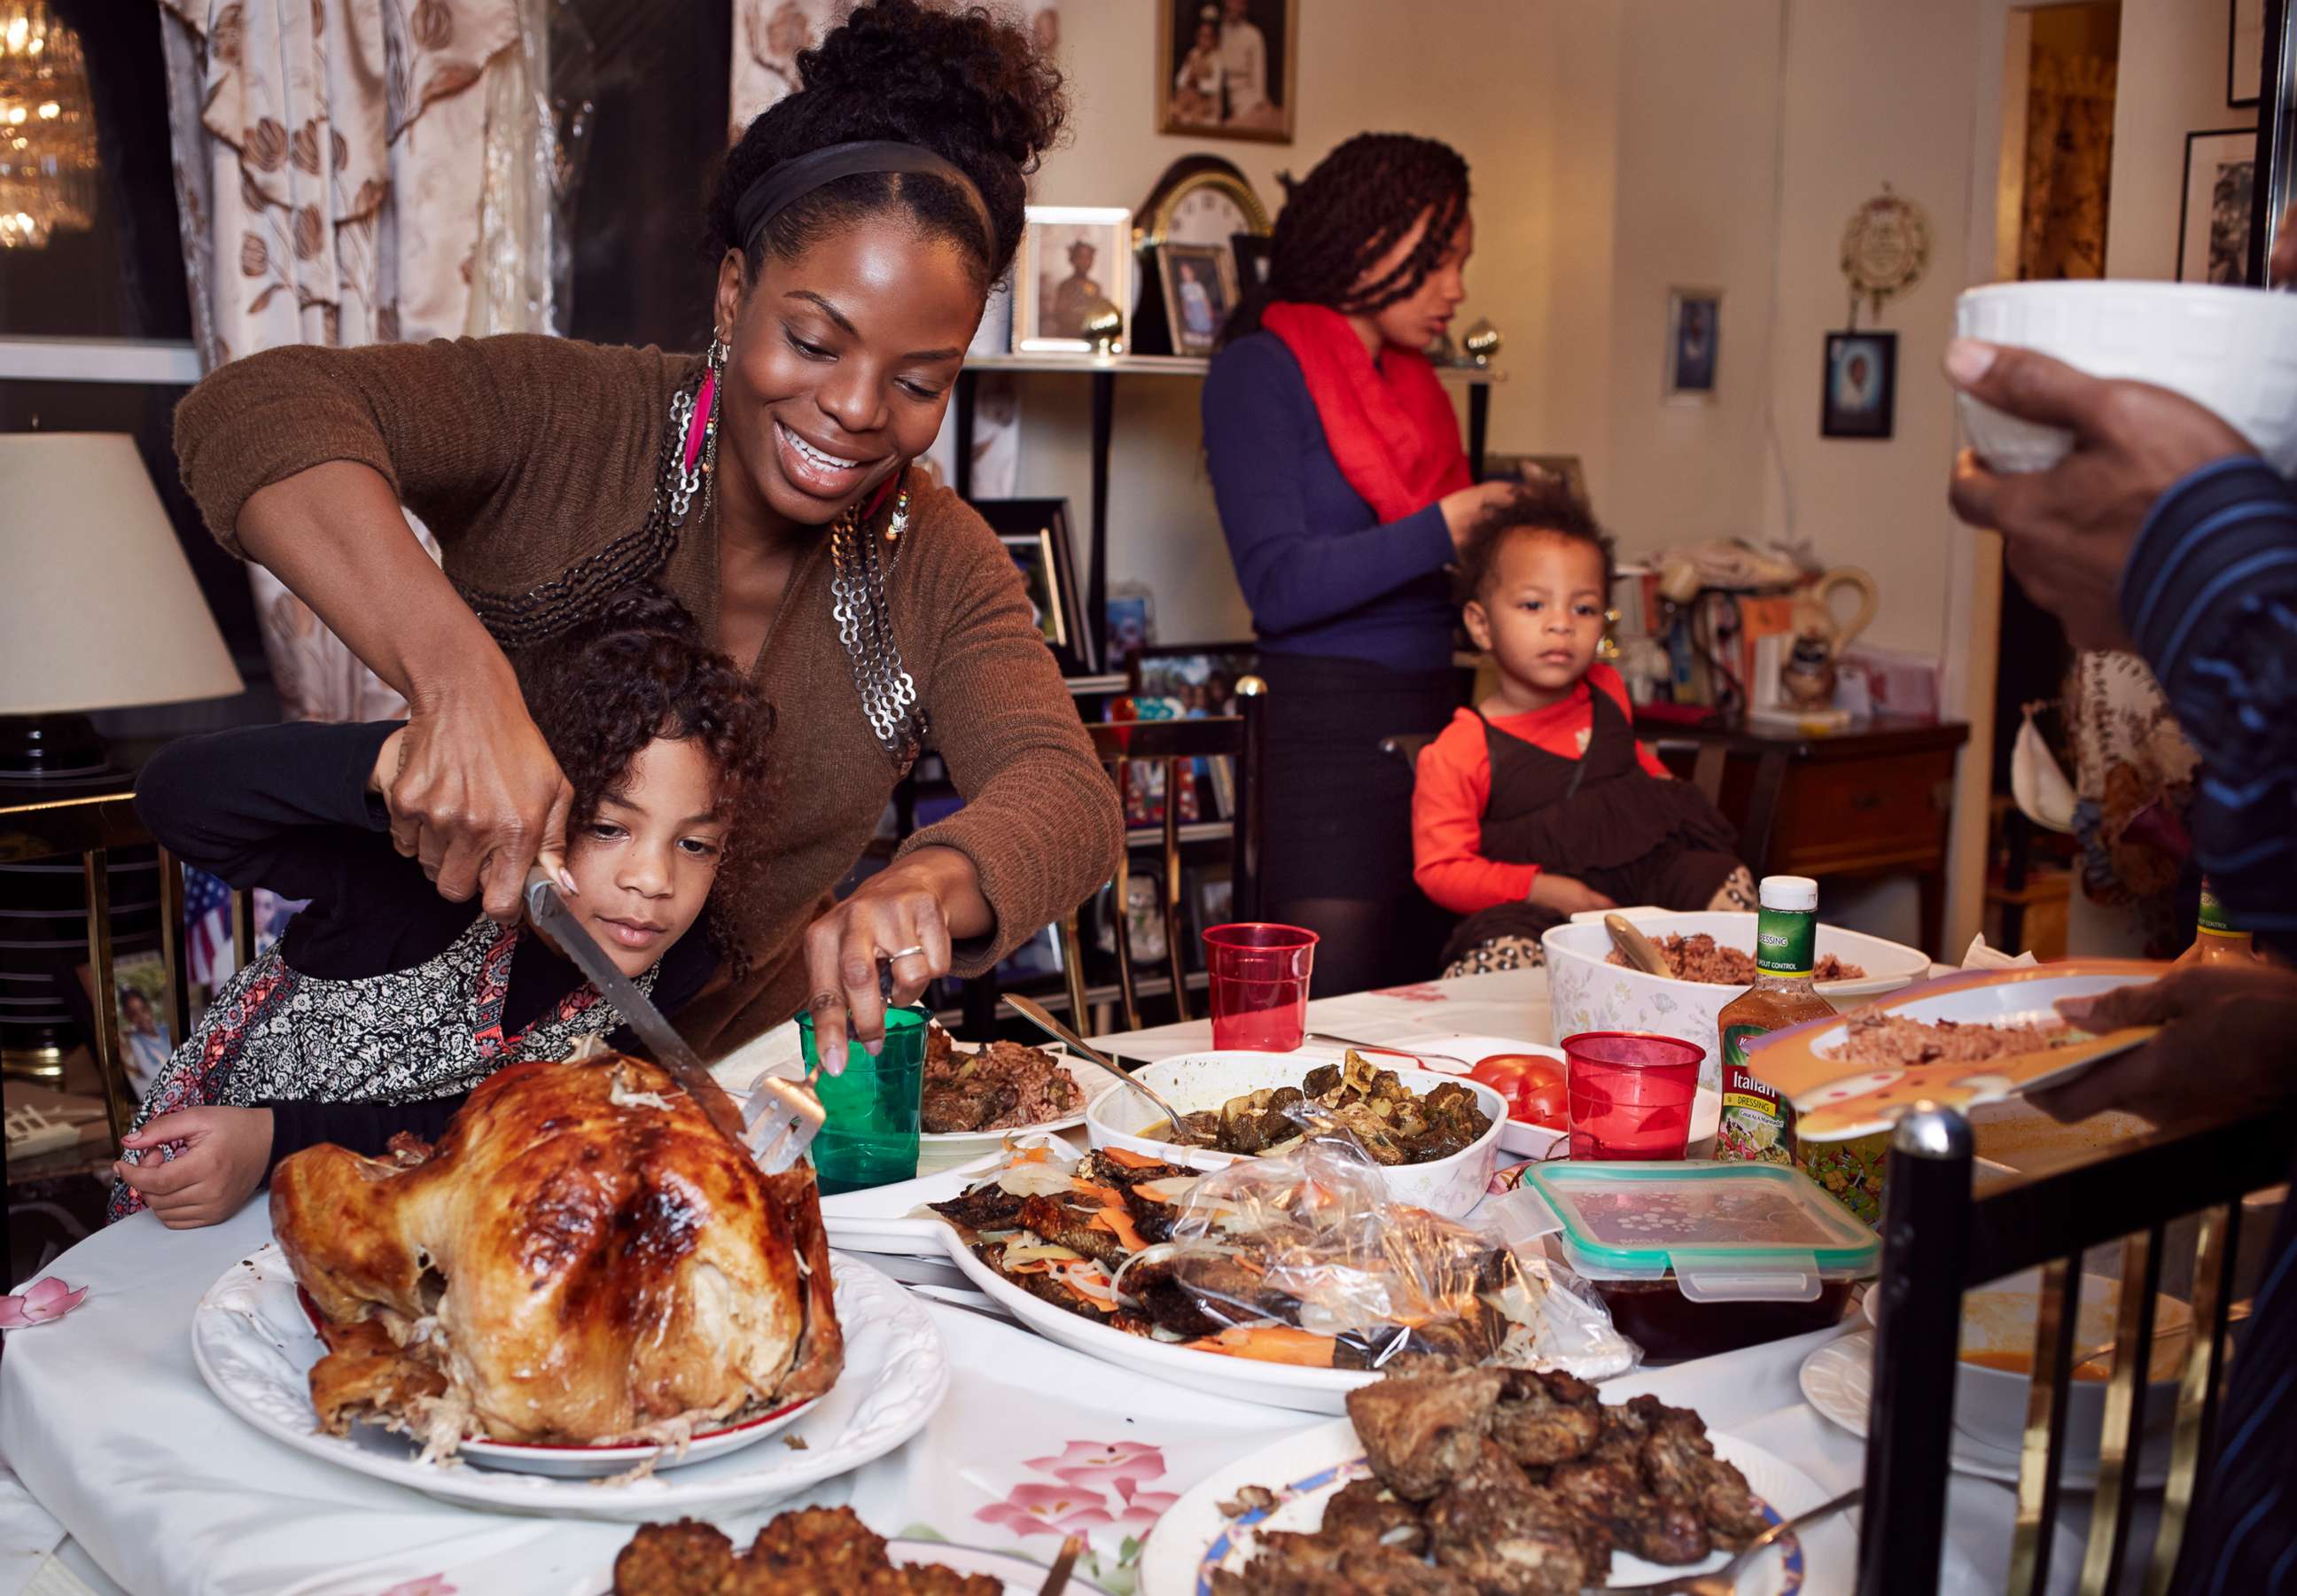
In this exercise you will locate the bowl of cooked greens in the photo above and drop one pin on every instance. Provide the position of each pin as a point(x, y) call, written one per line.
point(1434, 1139)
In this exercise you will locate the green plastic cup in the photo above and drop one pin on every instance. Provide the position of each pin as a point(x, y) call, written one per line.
point(870, 1136)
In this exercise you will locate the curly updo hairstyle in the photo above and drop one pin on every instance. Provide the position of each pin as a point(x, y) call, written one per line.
point(639, 670)
point(959, 82)
point(1348, 212)
point(1546, 504)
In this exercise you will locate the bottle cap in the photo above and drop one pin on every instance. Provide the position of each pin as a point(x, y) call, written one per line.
point(1798, 893)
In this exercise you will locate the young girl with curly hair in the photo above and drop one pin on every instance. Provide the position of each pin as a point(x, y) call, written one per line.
point(384, 1003)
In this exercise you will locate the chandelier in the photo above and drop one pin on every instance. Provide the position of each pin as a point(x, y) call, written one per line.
point(48, 158)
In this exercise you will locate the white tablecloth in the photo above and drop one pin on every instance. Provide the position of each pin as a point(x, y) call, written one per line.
point(114, 1440)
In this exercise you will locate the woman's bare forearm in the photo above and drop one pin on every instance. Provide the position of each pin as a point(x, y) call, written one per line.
point(336, 535)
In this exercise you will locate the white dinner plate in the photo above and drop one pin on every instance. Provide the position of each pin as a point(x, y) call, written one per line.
point(1020, 1577)
point(938, 1150)
point(1195, 1536)
point(255, 1346)
point(1838, 1379)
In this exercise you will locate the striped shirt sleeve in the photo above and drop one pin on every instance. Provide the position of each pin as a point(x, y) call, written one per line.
point(2210, 596)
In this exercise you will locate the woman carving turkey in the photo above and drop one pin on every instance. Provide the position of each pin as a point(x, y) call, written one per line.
point(857, 226)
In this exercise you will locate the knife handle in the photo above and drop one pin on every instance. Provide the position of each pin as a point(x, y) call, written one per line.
point(538, 881)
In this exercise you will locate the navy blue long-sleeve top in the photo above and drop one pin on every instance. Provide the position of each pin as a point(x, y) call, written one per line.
point(2210, 596)
point(1322, 573)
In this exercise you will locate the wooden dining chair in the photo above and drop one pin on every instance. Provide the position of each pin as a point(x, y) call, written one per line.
point(1940, 1240)
point(1173, 745)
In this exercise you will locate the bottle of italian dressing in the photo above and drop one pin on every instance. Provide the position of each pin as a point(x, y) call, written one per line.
point(1757, 1123)
point(2215, 939)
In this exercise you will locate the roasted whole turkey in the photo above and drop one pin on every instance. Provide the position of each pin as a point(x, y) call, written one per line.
point(584, 1258)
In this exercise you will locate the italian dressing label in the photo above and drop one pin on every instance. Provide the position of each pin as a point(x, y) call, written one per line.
point(1755, 1118)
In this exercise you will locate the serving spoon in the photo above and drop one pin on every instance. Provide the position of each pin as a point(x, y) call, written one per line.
point(1638, 949)
point(1029, 1011)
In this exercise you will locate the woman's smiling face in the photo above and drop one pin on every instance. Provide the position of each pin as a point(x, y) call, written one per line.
point(842, 363)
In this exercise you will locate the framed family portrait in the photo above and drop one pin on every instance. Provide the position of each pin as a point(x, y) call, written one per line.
point(1035, 532)
point(1075, 265)
point(1200, 285)
point(1694, 322)
point(2213, 223)
point(1861, 385)
point(1224, 67)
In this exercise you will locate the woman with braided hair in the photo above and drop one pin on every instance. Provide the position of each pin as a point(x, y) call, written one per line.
point(855, 234)
point(1343, 493)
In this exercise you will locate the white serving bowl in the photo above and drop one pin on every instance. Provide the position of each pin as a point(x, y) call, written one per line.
point(2231, 350)
point(1587, 992)
point(1193, 1081)
point(2000, 1316)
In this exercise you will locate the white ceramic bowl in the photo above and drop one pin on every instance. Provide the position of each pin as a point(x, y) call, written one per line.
point(2000, 1317)
point(1587, 992)
point(2232, 350)
point(1194, 1081)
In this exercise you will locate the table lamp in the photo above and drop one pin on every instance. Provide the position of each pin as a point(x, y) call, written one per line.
point(98, 606)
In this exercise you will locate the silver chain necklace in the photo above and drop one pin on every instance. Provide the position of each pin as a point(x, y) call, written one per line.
point(857, 589)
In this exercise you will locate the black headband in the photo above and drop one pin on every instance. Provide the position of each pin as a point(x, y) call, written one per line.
point(785, 182)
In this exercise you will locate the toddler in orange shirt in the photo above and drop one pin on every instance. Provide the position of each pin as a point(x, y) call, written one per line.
point(1539, 802)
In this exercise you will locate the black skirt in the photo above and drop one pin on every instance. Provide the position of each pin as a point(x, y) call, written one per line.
point(1337, 813)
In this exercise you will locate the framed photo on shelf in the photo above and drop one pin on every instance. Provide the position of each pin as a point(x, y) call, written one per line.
point(2244, 52)
point(1859, 391)
point(1076, 264)
point(1200, 285)
point(1131, 620)
point(1198, 679)
point(1695, 327)
point(1211, 901)
point(1035, 531)
point(1525, 468)
point(1224, 67)
point(2214, 220)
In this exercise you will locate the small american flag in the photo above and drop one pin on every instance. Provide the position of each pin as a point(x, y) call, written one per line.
point(207, 952)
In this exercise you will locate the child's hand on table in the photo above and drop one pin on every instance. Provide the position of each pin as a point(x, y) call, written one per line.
point(1565, 894)
point(225, 1151)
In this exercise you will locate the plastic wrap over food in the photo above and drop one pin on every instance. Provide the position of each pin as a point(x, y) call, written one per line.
point(1310, 1240)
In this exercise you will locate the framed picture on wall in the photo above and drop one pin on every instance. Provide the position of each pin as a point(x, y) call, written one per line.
point(2244, 52)
point(2214, 220)
point(1860, 394)
point(1076, 264)
point(1035, 531)
point(1694, 325)
point(1224, 67)
point(1199, 283)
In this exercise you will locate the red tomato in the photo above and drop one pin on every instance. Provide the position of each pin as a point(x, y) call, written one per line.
point(1532, 1085)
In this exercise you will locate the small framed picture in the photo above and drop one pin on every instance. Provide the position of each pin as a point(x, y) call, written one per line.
point(1076, 266)
point(1525, 468)
point(2213, 223)
point(139, 982)
point(2244, 53)
point(1224, 67)
point(1131, 622)
point(1860, 397)
point(1199, 282)
point(1251, 250)
point(1694, 323)
point(1035, 531)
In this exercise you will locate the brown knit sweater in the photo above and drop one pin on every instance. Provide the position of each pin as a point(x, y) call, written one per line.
point(527, 456)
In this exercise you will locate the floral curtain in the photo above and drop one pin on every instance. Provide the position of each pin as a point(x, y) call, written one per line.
point(349, 171)
point(2069, 167)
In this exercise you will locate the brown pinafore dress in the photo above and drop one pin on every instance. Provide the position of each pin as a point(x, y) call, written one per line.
point(1635, 837)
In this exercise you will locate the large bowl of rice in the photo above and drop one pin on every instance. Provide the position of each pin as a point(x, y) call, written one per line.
point(1589, 992)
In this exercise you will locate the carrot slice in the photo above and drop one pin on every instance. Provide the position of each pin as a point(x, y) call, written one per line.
point(1114, 1219)
point(1272, 1344)
point(1129, 1158)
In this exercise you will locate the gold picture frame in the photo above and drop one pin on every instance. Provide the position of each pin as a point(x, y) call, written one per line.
point(1049, 309)
point(1209, 85)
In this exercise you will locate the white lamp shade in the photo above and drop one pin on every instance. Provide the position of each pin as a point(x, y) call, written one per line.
point(98, 606)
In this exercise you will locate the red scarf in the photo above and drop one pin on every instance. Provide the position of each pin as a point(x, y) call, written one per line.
point(1391, 425)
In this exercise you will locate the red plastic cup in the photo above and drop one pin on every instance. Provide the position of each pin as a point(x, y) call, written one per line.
point(1259, 985)
point(1630, 1094)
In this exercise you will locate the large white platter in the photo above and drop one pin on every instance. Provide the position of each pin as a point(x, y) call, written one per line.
point(255, 1346)
point(1195, 1536)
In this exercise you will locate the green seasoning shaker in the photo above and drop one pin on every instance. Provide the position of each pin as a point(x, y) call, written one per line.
point(1696, 1258)
point(870, 1136)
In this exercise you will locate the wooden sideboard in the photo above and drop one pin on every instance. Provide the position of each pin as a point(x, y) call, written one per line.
point(1876, 800)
